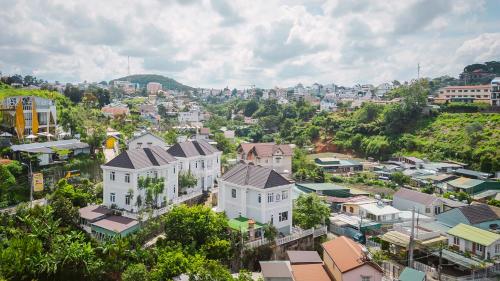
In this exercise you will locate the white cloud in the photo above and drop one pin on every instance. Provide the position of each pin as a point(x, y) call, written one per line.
point(217, 43)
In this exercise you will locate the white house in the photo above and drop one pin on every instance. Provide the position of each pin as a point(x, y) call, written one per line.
point(406, 199)
point(146, 140)
point(193, 115)
point(477, 241)
point(45, 109)
point(328, 103)
point(379, 212)
point(199, 158)
point(122, 173)
point(258, 193)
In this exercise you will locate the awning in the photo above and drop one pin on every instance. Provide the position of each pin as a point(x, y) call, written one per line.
point(460, 259)
point(396, 238)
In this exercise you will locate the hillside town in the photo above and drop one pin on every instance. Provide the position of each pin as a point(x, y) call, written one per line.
point(142, 177)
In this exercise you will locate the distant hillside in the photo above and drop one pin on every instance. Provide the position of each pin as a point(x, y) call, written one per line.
point(144, 79)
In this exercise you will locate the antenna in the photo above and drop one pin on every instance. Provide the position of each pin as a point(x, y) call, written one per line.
point(128, 65)
point(418, 71)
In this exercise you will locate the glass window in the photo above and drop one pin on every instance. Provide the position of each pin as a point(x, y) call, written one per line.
point(259, 198)
point(127, 199)
point(284, 194)
point(270, 197)
point(112, 197)
point(233, 193)
point(127, 177)
point(112, 176)
point(283, 216)
point(278, 197)
point(156, 174)
point(456, 240)
point(365, 278)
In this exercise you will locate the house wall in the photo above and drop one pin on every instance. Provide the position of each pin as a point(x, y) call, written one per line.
point(121, 188)
point(146, 140)
point(247, 204)
point(331, 267)
point(468, 246)
point(407, 205)
point(364, 270)
point(206, 168)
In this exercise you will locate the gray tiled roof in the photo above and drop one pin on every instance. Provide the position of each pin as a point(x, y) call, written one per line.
point(192, 148)
point(415, 196)
point(141, 158)
point(256, 176)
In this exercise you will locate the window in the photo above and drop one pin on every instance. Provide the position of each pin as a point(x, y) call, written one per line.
point(283, 216)
point(456, 241)
point(156, 174)
point(497, 248)
point(272, 219)
point(112, 197)
point(351, 210)
point(479, 248)
point(127, 177)
point(196, 164)
point(270, 197)
point(427, 210)
point(259, 199)
point(284, 194)
point(278, 197)
point(127, 199)
point(365, 278)
point(233, 193)
point(112, 176)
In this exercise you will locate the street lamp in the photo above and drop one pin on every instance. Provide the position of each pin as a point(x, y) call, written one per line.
point(30, 178)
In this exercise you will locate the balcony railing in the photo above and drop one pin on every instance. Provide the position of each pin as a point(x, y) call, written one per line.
point(296, 235)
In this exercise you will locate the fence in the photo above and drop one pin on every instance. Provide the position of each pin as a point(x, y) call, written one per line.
point(490, 273)
point(296, 235)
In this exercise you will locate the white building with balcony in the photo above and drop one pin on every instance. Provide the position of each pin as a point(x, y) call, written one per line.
point(121, 177)
point(199, 158)
point(257, 193)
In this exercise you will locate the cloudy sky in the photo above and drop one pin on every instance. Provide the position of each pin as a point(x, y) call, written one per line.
point(218, 43)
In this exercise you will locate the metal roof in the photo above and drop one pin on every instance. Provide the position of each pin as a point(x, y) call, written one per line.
point(465, 183)
point(45, 147)
point(117, 224)
point(276, 269)
point(474, 234)
point(298, 257)
point(410, 274)
point(141, 158)
point(459, 259)
point(192, 148)
point(255, 176)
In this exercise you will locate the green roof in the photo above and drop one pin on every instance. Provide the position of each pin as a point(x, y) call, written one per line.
point(241, 224)
point(474, 234)
point(322, 186)
point(465, 183)
point(410, 274)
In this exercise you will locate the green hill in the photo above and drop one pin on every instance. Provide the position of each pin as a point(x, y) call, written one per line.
point(144, 79)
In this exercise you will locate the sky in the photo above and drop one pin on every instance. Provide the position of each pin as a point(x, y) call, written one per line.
point(237, 43)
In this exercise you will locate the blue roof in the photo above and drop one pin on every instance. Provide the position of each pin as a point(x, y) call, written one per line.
point(410, 274)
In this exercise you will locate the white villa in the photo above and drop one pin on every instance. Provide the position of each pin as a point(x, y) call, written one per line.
point(122, 173)
point(328, 103)
point(379, 212)
point(146, 140)
point(199, 158)
point(257, 193)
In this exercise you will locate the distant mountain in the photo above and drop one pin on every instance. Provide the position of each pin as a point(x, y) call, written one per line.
point(144, 79)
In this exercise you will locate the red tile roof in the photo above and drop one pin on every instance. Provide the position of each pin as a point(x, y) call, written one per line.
point(266, 149)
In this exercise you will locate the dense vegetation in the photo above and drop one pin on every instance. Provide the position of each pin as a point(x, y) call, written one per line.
point(374, 130)
point(144, 79)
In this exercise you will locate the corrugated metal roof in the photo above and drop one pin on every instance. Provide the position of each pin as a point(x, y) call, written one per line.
point(464, 182)
point(414, 196)
point(410, 274)
point(474, 234)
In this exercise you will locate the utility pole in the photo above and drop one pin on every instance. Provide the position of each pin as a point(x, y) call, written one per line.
point(410, 252)
point(440, 260)
point(418, 71)
point(128, 65)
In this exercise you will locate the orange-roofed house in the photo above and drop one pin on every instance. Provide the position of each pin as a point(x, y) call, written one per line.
point(275, 156)
point(346, 260)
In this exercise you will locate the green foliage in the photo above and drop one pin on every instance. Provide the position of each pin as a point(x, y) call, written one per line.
point(224, 144)
point(144, 79)
point(194, 227)
point(494, 202)
point(400, 178)
point(458, 195)
point(187, 180)
point(136, 272)
point(77, 196)
point(154, 186)
point(170, 137)
point(310, 211)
